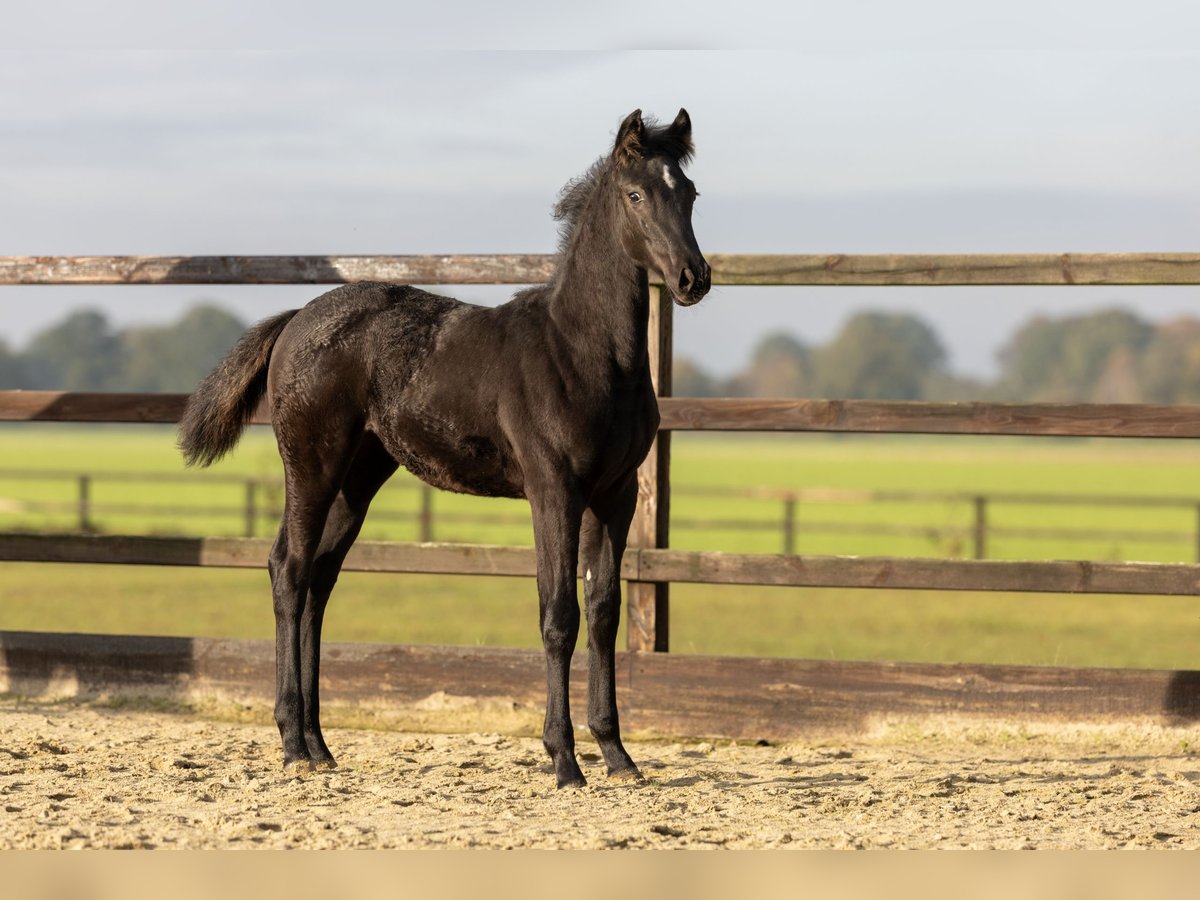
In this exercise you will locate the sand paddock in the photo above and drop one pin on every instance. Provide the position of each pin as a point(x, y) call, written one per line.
point(83, 775)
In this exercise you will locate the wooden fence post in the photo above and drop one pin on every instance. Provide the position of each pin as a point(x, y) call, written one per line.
point(85, 503)
point(251, 507)
point(1198, 533)
point(648, 602)
point(789, 525)
point(981, 527)
point(425, 515)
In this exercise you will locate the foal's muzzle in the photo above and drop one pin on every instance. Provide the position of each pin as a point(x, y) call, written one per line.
point(693, 283)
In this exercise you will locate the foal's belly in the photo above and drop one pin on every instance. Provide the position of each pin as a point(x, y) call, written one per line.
point(469, 465)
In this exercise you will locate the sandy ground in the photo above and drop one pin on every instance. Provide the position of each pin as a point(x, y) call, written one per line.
point(77, 775)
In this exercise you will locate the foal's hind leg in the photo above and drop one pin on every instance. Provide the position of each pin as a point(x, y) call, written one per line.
point(314, 466)
point(372, 466)
point(602, 544)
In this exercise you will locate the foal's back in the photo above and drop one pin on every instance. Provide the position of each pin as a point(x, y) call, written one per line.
point(421, 371)
point(348, 330)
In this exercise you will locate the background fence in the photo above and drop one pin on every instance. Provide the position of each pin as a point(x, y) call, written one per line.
point(777, 510)
point(756, 693)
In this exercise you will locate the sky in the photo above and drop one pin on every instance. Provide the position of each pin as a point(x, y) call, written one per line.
point(928, 127)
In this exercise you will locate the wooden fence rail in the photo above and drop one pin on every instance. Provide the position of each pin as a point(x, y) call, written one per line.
point(732, 269)
point(1130, 420)
point(640, 565)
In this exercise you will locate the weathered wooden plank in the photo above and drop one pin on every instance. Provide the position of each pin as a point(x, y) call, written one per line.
point(448, 269)
point(365, 556)
point(441, 559)
point(648, 603)
point(697, 696)
point(781, 699)
point(350, 671)
point(705, 567)
point(71, 406)
point(83, 406)
point(919, 417)
point(1053, 576)
point(126, 550)
point(740, 269)
point(730, 414)
point(957, 269)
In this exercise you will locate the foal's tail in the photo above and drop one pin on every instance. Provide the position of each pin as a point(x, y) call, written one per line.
point(222, 404)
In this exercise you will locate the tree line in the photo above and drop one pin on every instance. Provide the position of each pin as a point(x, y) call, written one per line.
point(1108, 356)
point(84, 352)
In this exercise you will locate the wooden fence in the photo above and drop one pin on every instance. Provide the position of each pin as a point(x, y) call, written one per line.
point(262, 504)
point(650, 565)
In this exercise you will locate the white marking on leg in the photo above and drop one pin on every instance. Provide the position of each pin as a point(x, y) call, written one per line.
point(667, 176)
point(588, 575)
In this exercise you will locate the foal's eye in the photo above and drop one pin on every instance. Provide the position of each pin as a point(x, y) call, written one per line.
point(635, 196)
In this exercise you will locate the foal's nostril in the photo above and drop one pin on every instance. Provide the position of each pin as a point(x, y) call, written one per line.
point(686, 281)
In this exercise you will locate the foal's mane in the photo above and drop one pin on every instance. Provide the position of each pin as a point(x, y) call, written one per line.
point(657, 140)
point(574, 197)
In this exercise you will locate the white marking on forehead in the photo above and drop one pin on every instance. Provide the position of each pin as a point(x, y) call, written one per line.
point(667, 176)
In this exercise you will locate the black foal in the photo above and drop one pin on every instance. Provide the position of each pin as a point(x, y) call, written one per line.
point(546, 397)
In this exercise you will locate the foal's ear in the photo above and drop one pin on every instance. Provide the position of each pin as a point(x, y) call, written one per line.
point(629, 138)
point(680, 131)
point(683, 124)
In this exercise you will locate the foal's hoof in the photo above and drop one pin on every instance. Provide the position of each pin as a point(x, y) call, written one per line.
point(299, 766)
point(324, 765)
point(630, 774)
point(574, 780)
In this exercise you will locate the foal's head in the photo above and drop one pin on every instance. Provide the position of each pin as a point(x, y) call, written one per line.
point(655, 201)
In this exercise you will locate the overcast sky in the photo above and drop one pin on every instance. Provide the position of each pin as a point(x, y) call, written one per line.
point(1053, 127)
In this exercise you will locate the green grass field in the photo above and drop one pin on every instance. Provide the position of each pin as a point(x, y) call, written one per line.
point(814, 623)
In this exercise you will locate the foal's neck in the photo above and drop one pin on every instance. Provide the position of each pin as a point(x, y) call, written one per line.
point(600, 300)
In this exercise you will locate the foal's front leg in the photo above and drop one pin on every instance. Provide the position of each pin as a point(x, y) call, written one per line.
point(602, 544)
point(557, 513)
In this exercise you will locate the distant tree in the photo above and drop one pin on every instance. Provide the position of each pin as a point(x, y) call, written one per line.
point(1029, 357)
point(1118, 381)
point(1063, 359)
point(780, 345)
point(12, 370)
point(780, 366)
point(79, 354)
point(1169, 368)
point(175, 357)
point(83, 353)
point(879, 356)
point(689, 380)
